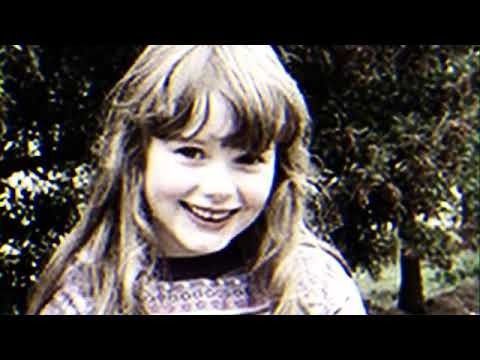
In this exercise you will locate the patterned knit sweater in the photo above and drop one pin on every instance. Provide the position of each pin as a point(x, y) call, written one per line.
point(324, 287)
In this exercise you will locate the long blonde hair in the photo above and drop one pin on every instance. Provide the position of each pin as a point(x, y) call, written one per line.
point(166, 90)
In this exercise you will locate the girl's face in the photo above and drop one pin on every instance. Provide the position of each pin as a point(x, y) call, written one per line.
point(202, 193)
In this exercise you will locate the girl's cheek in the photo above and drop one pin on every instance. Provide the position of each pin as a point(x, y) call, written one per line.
point(171, 181)
point(255, 189)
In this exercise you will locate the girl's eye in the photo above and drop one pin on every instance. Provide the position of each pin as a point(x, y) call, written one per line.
point(250, 159)
point(191, 153)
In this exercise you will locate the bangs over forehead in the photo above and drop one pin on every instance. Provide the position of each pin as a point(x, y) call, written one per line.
point(169, 92)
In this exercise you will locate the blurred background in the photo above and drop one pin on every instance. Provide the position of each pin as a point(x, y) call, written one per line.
point(394, 183)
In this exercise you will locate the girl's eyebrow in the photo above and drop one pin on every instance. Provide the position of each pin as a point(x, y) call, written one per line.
point(199, 141)
point(187, 140)
point(202, 143)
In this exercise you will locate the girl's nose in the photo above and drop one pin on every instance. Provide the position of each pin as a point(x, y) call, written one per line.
point(218, 198)
point(218, 184)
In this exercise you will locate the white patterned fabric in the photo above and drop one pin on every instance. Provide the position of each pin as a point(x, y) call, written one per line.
point(323, 287)
point(230, 295)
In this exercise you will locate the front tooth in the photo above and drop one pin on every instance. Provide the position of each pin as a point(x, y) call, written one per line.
point(203, 213)
point(208, 214)
point(219, 216)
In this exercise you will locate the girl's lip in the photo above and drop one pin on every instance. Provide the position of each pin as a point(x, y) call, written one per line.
point(210, 225)
point(209, 209)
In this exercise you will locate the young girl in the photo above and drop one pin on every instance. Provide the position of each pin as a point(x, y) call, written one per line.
point(198, 203)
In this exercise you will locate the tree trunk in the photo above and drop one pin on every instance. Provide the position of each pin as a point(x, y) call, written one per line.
point(411, 298)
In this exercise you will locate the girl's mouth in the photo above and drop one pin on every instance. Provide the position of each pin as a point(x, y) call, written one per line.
point(209, 215)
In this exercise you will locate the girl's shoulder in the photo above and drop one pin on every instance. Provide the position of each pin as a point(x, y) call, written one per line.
point(73, 296)
point(324, 280)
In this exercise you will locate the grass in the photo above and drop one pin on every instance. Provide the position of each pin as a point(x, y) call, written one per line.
point(436, 281)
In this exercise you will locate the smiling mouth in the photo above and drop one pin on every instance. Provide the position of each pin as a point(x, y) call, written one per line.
point(209, 215)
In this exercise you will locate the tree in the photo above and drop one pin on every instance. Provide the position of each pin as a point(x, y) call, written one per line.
point(51, 96)
point(395, 134)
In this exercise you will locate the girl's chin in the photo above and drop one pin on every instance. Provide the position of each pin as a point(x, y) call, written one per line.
point(204, 246)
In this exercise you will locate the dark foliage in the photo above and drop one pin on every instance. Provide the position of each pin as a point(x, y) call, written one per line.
point(51, 97)
point(396, 129)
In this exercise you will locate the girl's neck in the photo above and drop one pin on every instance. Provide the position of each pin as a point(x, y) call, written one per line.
point(207, 266)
